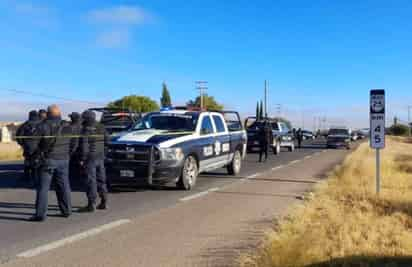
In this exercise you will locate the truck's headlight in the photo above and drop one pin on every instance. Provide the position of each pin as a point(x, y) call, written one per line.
point(172, 154)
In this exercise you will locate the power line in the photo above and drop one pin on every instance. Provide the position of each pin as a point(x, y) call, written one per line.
point(54, 97)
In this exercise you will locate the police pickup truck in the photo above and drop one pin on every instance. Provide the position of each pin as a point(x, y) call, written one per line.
point(175, 145)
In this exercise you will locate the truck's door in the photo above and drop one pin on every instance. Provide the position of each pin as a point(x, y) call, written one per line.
point(206, 143)
point(237, 133)
point(222, 142)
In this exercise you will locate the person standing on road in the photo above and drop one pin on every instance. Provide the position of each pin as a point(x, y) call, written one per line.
point(54, 148)
point(42, 114)
point(299, 136)
point(92, 153)
point(74, 165)
point(265, 138)
point(29, 146)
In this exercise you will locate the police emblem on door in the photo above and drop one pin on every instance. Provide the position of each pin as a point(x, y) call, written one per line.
point(218, 148)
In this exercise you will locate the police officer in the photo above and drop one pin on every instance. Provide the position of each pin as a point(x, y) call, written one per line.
point(299, 136)
point(54, 148)
point(265, 138)
point(29, 145)
point(42, 114)
point(92, 152)
point(74, 169)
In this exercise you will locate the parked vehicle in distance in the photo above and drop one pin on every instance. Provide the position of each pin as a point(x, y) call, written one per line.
point(338, 137)
point(175, 146)
point(253, 127)
point(308, 135)
point(116, 120)
point(285, 135)
point(282, 135)
point(365, 132)
point(354, 136)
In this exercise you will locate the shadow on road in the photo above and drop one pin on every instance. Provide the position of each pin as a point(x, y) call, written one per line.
point(11, 211)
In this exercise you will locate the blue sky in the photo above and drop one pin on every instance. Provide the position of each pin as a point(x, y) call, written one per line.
point(320, 57)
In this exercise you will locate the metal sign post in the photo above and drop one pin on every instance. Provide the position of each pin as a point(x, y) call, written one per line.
point(377, 128)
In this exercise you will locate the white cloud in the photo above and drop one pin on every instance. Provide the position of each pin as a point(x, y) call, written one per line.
point(120, 15)
point(113, 38)
point(115, 25)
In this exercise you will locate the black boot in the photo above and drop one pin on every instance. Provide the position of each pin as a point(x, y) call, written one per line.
point(91, 207)
point(103, 203)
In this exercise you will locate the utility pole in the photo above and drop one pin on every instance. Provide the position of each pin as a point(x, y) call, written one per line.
point(279, 109)
point(266, 99)
point(303, 119)
point(202, 87)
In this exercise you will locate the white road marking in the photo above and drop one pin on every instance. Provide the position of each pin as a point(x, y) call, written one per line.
point(308, 157)
point(294, 162)
point(253, 176)
point(71, 239)
point(277, 168)
point(200, 194)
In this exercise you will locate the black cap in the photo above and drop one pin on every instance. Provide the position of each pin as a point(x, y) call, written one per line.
point(89, 116)
point(33, 115)
point(75, 116)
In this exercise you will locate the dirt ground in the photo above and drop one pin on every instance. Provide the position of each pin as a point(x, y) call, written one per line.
point(10, 151)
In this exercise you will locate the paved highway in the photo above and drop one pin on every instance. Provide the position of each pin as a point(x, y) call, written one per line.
point(16, 202)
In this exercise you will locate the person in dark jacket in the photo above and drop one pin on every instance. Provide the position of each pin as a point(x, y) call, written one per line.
point(92, 153)
point(74, 167)
point(29, 146)
point(42, 114)
point(265, 139)
point(54, 148)
point(299, 136)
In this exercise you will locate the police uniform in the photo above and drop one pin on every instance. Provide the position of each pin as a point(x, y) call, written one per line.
point(265, 138)
point(299, 137)
point(92, 152)
point(74, 167)
point(29, 146)
point(54, 147)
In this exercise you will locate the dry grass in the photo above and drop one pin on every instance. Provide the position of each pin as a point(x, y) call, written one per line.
point(345, 224)
point(11, 151)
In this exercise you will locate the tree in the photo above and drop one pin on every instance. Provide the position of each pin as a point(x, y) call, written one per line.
point(398, 129)
point(135, 103)
point(165, 100)
point(209, 102)
point(257, 110)
point(261, 110)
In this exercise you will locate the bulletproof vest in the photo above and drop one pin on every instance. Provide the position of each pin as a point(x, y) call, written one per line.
point(31, 128)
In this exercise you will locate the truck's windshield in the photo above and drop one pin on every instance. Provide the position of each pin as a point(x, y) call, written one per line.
point(168, 122)
point(338, 132)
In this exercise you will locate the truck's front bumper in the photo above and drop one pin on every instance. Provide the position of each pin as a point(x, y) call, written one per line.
point(141, 165)
point(140, 174)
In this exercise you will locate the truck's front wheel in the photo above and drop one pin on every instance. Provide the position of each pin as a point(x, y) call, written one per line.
point(276, 148)
point(189, 174)
point(234, 167)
